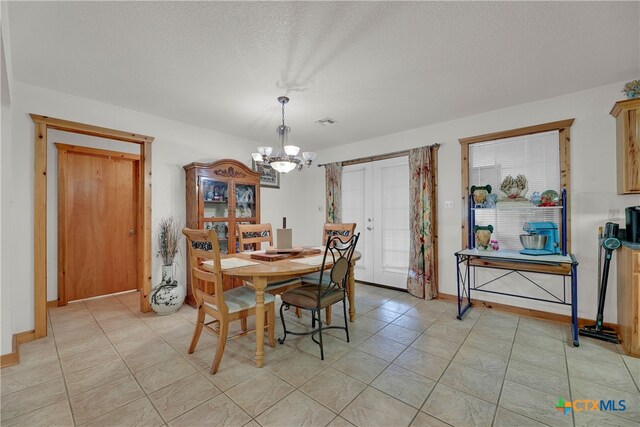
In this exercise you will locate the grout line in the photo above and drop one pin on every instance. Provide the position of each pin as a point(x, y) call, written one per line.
point(566, 364)
point(632, 377)
point(64, 376)
point(504, 378)
point(39, 384)
point(343, 373)
point(366, 385)
point(448, 364)
point(128, 368)
point(624, 362)
point(200, 372)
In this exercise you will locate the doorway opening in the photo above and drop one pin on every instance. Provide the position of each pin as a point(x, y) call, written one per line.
point(143, 228)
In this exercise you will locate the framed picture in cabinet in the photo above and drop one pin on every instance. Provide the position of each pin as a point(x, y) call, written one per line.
point(269, 177)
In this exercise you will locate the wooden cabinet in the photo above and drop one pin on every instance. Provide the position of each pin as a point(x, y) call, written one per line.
point(629, 299)
point(221, 195)
point(627, 114)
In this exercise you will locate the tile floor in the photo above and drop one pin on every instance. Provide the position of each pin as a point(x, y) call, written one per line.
point(409, 362)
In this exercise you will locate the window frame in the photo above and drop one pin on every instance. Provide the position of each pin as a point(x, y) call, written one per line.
point(563, 127)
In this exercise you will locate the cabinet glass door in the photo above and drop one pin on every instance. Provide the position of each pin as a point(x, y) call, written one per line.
point(245, 201)
point(215, 198)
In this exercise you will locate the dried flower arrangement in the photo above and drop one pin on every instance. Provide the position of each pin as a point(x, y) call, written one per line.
point(632, 89)
point(169, 233)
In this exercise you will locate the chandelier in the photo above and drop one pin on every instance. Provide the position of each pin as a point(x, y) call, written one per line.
point(286, 158)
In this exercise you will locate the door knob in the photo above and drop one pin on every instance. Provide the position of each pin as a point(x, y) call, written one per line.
point(369, 219)
point(369, 228)
point(132, 232)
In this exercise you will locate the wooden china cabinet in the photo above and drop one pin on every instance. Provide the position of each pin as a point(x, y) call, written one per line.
point(221, 195)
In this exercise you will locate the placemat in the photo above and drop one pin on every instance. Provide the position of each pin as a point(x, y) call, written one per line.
point(227, 263)
point(312, 260)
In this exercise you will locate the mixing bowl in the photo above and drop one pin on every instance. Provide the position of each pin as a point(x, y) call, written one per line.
point(533, 241)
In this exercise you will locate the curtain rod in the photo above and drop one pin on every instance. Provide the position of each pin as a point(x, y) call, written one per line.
point(378, 157)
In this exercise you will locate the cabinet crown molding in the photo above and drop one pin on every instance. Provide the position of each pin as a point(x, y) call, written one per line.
point(626, 104)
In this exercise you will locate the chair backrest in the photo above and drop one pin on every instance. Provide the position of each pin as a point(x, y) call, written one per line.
point(204, 247)
point(254, 233)
point(338, 251)
point(345, 230)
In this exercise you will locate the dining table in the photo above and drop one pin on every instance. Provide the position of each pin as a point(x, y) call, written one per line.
point(259, 273)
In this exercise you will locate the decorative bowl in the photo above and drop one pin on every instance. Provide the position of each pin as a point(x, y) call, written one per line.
point(549, 198)
point(533, 241)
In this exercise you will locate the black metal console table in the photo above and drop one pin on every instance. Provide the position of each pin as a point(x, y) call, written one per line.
point(513, 262)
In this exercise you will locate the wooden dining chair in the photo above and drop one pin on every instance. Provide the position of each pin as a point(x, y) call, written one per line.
point(344, 231)
point(249, 234)
point(318, 295)
point(225, 307)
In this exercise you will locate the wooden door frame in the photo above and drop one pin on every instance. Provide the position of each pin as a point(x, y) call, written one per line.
point(42, 125)
point(63, 151)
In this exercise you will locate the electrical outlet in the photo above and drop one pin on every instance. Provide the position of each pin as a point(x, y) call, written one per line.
point(614, 214)
point(448, 204)
point(319, 208)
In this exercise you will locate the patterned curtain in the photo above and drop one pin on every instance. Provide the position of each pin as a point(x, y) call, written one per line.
point(421, 279)
point(333, 178)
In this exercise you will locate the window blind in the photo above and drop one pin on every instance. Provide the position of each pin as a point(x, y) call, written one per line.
point(537, 157)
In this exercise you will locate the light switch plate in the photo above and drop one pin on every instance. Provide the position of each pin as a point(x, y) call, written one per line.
point(448, 204)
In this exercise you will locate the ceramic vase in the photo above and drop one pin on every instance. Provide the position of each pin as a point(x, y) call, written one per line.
point(483, 237)
point(480, 195)
point(492, 198)
point(167, 297)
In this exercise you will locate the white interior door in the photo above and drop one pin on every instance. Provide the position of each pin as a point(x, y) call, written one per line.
point(391, 214)
point(357, 202)
point(376, 197)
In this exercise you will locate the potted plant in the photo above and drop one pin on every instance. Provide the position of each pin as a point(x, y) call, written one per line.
point(168, 295)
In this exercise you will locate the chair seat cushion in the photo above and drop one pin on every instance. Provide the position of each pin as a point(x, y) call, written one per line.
point(242, 298)
point(307, 297)
point(313, 278)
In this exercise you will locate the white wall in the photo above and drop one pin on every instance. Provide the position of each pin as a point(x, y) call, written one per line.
point(593, 181)
point(175, 145)
point(5, 207)
point(300, 195)
point(274, 202)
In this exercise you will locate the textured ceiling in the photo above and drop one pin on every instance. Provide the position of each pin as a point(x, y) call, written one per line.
point(374, 67)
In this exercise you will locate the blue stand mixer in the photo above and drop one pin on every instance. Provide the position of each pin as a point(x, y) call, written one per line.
point(541, 240)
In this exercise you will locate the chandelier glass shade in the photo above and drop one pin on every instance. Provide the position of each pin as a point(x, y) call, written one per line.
point(285, 158)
